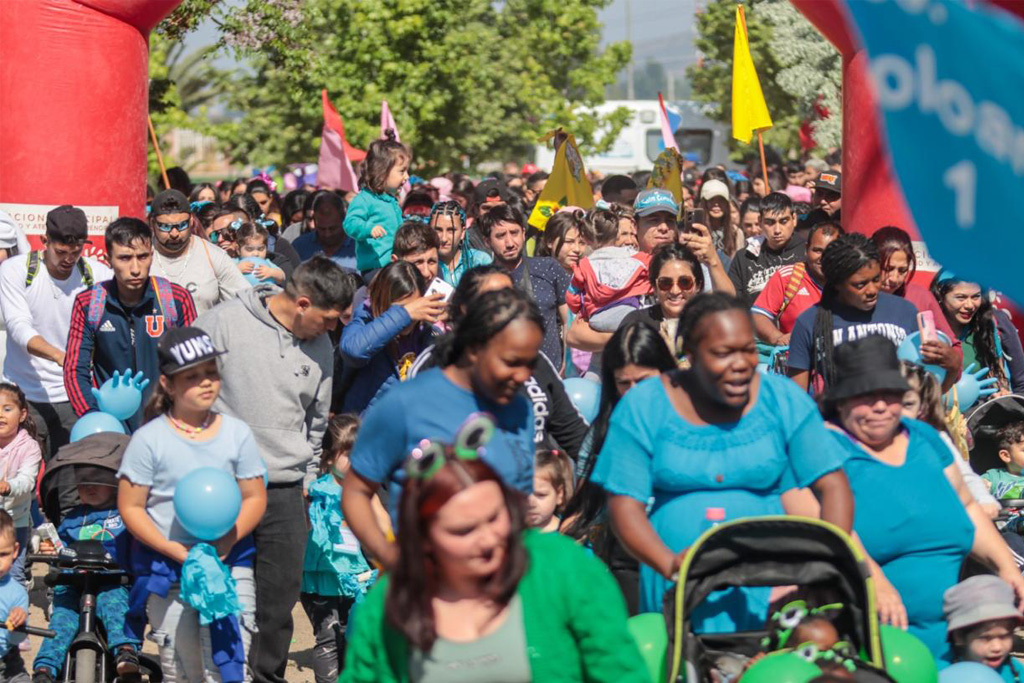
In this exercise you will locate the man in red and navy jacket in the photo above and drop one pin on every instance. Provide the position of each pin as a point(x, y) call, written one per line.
point(115, 325)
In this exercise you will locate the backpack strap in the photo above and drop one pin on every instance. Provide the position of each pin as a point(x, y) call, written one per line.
point(86, 272)
point(33, 268)
point(97, 306)
point(84, 269)
point(796, 278)
point(165, 299)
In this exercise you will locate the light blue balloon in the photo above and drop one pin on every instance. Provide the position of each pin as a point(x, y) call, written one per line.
point(910, 350)
point(585, 395)
point(256, 261)
point(969, 672)
point(119, 397)
point(95, 423)
point(207, 502)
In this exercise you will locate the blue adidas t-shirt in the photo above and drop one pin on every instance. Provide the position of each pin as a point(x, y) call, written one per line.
point(892, 317)
point(430, 406)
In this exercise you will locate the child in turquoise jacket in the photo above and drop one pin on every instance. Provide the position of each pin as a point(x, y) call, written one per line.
point(374, 215)
point(335, 573)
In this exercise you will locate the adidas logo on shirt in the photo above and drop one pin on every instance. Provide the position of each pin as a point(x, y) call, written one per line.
point(107, 327)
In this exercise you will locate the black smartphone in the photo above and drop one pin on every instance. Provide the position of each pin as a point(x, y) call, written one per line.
point(694, 216)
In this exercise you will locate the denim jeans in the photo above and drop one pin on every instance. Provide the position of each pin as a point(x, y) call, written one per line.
point(280, 547)
point(329, 617)
point(186, 655)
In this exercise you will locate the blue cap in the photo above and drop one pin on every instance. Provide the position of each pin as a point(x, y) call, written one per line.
point(691, 156)
point(654, 201)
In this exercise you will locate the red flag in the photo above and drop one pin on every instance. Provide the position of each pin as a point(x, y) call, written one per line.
point(334, 170)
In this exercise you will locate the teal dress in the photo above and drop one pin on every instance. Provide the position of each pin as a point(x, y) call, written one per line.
point(912, 524)
point(652, 454)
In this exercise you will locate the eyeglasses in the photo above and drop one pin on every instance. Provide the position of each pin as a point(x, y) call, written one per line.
point(429, 457)
point(167, 227)
point(684, 282)
point(222, 235)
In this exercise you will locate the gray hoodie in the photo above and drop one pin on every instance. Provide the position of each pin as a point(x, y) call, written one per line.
point(276, 383)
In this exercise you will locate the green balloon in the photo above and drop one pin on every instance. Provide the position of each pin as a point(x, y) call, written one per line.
point(651, 636)
point(907, 659)
point(785, 667)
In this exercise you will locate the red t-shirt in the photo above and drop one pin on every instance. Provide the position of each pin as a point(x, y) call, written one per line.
point(769, 301)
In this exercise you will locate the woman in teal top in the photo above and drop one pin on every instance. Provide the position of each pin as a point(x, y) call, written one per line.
point(914, 514)
point(719, 435)
point(475, 599)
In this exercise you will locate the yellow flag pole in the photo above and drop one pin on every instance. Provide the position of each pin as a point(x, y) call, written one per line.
point(764, 166)
point(159, 156)
point(760, 138)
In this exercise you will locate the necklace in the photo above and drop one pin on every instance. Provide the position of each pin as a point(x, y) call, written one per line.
point(192, 432)
point(163, 266)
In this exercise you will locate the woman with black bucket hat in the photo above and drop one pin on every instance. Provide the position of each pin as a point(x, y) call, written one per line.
point(913, 512)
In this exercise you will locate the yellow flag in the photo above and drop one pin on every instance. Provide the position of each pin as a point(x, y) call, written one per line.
point(667, 172)
point(567, 185)
point(749, 110)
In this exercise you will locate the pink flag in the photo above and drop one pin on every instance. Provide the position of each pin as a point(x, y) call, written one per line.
point(667, 135)
point(334, 168)
point(387, 121)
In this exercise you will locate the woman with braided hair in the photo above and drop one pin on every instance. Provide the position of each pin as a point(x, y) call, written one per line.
point(449, 220)
point(852, 307)
point(484, 362)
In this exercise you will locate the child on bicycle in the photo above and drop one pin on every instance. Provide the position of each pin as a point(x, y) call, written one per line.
point(96, 519)
point(335, 572)
point(13, 606)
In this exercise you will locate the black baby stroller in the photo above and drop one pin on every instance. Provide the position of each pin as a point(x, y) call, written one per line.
point(769, 551)
point(983, 424)
point(86, 565)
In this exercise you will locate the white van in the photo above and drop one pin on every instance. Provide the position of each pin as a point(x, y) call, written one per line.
point(640, 143)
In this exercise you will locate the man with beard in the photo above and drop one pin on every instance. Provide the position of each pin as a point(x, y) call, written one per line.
point(202, 268)
point(543, 279)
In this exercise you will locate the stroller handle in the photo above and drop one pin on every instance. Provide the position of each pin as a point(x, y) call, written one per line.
point(32, 630)
point(73, 562)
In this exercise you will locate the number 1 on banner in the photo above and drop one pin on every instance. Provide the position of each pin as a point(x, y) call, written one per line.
point(962, 178)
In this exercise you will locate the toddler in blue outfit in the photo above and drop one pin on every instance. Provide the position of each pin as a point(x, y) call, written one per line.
point(981, 616)
point(13, 606)
point(96, 519)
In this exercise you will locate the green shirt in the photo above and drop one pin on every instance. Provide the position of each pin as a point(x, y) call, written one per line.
point(1005, 486)
point(574, 617)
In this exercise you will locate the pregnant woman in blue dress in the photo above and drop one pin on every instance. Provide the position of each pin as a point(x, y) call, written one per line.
point(914, 514)
point(719, 435)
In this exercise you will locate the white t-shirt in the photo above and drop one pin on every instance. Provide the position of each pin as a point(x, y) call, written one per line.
point(42, 309)
point(205, 270)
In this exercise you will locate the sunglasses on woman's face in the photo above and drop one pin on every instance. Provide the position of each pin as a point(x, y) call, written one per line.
point(684, 282)
point(223, 235)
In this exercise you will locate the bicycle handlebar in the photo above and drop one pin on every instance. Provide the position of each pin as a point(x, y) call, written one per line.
point(69, 561)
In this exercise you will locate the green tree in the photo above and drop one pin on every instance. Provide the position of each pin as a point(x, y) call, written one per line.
point(794, 64)
point(468, 80)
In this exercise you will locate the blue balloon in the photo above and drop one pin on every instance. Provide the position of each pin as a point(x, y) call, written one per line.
point(255, 261)
point(207, 502)
point(121, 397)
point(95, 423)
point(969, 672)
point(910, 350)
point(585, 395)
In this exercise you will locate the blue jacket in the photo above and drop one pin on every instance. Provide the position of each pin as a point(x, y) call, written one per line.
point(84, 523)
point(122, 339)
point(368, 364)
point(369, 209)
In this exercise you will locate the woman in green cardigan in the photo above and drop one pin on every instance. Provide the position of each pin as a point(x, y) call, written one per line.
point(476, 598)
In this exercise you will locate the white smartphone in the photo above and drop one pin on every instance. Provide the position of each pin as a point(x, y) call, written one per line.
point(439, 286)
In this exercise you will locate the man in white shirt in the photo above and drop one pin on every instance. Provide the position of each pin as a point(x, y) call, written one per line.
point(37, 291)
point(204, 269)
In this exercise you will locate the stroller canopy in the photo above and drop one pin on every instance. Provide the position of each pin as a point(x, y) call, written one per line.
point(103, 451)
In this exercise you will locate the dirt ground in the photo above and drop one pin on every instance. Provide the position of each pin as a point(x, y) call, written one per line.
point(300, 658)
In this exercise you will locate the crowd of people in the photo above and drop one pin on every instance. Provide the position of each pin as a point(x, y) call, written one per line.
point(383, 374)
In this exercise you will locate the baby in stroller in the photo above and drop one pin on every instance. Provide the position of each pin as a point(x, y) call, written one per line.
point(93, 462)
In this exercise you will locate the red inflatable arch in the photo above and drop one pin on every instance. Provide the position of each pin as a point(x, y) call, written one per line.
point(74, 87)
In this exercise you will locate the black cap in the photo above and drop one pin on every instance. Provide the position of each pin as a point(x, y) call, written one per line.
point(168, 202)
point(490, 188)
point(865, 366)
point(67, 224)
point(184, 347)
point(829, 180)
